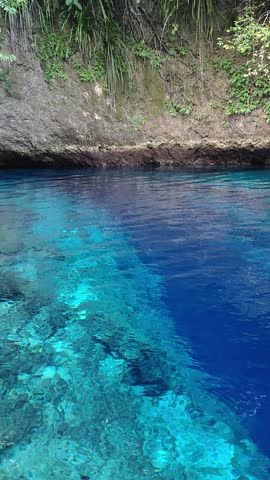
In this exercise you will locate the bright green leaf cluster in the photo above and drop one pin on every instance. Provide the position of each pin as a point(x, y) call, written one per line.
point(144, 52)
point(95, 70)
point(12, 6)
point(54, 50)
point(74, 3)
point(6, 57)
point(248, 71)
point(251, 38)
point(175, 108)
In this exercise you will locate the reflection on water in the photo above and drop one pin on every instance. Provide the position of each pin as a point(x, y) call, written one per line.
point(97, 381)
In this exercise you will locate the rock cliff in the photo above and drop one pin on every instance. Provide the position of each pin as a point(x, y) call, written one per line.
point(72, 124)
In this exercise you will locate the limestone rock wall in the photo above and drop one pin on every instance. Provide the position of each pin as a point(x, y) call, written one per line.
point(73, 124)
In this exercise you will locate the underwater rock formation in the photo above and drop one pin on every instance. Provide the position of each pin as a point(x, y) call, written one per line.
point(89, 388)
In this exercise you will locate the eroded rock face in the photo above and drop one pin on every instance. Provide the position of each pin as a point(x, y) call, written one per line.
point(143, 156)
point(70, 125)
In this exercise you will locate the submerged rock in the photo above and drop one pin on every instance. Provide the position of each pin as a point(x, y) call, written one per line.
point(112, 368)
point(90, 389)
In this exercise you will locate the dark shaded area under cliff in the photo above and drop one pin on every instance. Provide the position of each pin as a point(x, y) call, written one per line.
point(206, 156)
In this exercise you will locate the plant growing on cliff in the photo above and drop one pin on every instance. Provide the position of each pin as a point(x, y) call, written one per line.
point(200, 13)
point(67, 27)
point(143, 52)
point(176, 108)
point(248, 70)
point(10, 7)
point(7, 57)
point(54, 50)
point(95, 70)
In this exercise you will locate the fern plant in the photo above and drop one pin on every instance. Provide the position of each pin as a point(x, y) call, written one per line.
point(7, 58)
point(12, 6)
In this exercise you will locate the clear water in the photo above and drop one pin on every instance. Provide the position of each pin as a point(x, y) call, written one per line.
point(135, 325)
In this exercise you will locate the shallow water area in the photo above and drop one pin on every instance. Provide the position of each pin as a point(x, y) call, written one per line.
point(135, 325)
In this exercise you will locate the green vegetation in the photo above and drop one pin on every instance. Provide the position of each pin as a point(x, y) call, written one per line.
point(96, 69)
point(104, 40)
point(107, 26)
point(54, 50)
point(137, 122)
point(175, 108)
point(7, 58)
point(198, 116)
point(6, 82)
point(142, 51)
point(9, 7)
point(12, 7)
point(248, 69)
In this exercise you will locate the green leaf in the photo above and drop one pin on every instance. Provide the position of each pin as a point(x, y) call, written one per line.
point(77, 4)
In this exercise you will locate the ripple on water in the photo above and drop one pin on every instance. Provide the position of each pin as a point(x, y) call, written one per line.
point(95, 383)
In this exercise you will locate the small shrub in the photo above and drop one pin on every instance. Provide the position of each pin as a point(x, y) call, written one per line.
point(95, 71)
point(8, 85)
point(248, 71)
point(144, 52)
point(175, 108)
point(136, 122)
point(192, 70)
point(54, 50)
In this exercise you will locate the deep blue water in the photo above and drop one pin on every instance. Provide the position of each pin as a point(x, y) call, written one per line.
point(180, 263)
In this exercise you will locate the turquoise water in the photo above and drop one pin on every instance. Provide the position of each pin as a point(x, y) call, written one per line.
point(97, 381)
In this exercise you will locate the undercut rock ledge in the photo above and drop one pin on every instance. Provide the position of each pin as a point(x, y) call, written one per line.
point(148, 155)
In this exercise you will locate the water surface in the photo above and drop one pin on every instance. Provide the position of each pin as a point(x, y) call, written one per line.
point(135, 325)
